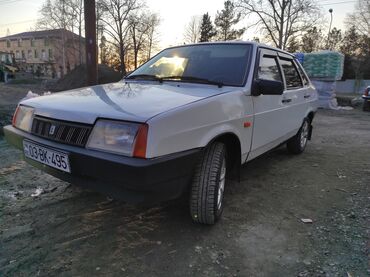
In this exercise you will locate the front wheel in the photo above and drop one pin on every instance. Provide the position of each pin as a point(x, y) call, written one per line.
point(208, 185)
point(297, 144)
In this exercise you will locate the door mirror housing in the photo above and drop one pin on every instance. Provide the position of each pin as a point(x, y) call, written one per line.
point(267, 87)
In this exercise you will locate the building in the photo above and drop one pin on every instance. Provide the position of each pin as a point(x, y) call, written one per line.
point(49, 53)
point(7, 66)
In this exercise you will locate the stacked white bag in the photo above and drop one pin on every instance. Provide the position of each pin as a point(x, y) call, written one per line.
point(324, 68)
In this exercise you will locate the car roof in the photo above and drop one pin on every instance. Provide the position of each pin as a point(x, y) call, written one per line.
point(254, 43)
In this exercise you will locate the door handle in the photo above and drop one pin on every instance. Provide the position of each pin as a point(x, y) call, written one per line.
point(307, 96)
point(286, 100)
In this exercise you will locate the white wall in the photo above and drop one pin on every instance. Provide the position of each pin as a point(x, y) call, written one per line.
point(351, 86)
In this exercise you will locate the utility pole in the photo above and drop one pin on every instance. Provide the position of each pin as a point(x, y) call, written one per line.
point(331, 21)
point(64, 23)
point(90, 35)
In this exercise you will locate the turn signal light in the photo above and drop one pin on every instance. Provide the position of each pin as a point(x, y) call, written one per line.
point(141, 142)
point(15, 117)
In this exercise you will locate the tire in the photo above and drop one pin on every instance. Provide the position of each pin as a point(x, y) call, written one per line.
point(297, 144)
point(208, 185)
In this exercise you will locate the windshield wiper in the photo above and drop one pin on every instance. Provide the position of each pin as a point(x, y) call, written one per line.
point(192, 79)
point(145, 77)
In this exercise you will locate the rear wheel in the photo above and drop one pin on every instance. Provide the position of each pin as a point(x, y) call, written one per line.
point(297, 144)
point(207, 191)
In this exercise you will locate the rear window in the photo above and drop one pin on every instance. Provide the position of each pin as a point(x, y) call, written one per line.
point(292, 78)
point(225, 63)
point(303, 75)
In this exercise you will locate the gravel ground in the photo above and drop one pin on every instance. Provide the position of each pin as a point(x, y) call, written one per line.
point(10, 95)
point(67, 231)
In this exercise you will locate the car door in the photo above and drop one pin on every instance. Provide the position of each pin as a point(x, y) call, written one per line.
point(309, 93)
point(294, 95)
point(270, 111)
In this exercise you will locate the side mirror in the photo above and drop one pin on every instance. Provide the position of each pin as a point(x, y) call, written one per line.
point(267, 87)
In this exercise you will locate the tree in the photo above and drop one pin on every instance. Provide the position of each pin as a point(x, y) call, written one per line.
point(111, 55)
point(360, 18)
point(334, 39)
point(65, 15)
point(152, 35)
point(101, 39)
point(256, 39)
point(139, 28)
point(103, 50)
point(191, 34)
point(54, 15)
point(207, 30)
point(293, 45)
point(282, 19)
point(115, 18)
point(77, 13)
point(356, 48)
point(225, 20)
point(312, 40)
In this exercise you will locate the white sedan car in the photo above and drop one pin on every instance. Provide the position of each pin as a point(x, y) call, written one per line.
point(183, 122)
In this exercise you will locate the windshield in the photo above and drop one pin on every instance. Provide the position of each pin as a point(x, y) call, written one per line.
point(224, 64)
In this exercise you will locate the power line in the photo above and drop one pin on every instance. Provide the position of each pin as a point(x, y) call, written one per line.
point(18, 22)
point(337, 3)
point(5, 2)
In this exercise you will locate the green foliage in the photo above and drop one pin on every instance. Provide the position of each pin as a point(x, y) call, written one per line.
point(354, 45)
point(312, 40)
point(225, 20)
point(334, 40)
point(207, 30)
point(356, 48)
point(293, 45)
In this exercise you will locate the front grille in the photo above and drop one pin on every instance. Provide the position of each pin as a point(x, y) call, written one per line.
point(61, 131)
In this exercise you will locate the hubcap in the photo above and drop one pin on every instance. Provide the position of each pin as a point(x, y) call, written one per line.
point(221, 184)
point(304, 134)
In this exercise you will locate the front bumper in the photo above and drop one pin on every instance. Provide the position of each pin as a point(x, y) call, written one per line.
point(130, 179)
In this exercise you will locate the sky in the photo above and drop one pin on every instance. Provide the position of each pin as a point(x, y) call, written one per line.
point(20, 15)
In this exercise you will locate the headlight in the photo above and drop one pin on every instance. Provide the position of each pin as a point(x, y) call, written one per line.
point(124, 138)
point(23, 117)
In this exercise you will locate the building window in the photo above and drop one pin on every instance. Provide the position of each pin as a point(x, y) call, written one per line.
point(35, 54)
point(50, 53)
point(23, 54)
point(43, 54)
point(30, 54)
point(19, 42)
point(46, 41)
point(8, 43)
point(32, 42)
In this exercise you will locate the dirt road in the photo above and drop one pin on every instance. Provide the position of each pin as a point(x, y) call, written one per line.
point(66, 231)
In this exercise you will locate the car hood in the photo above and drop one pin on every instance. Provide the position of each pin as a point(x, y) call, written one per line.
point(125, 101)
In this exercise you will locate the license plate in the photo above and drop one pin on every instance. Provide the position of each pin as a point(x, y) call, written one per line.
point(47, 156)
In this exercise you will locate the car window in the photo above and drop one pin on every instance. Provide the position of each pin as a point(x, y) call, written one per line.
point(303, 75)
point(224, 63)
point(268, 69)
point(292, 78)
